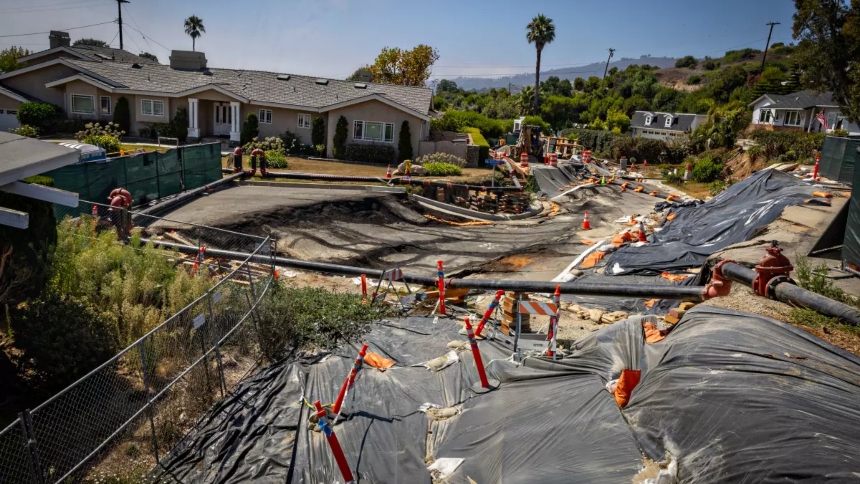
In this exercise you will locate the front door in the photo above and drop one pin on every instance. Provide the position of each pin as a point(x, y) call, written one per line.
point(223, 119)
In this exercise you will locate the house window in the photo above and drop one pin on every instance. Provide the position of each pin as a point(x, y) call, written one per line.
point(149, 107)
point(648, 120)
point(265, 116)
point(105, 104)
point(765, 116)
point(668, 121)
point(792, 118)
point(11, 111)
point(305, 121)
point(83, 104)
point(373, 131)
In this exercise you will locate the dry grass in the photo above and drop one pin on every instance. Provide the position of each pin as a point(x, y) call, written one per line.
point(693, 189)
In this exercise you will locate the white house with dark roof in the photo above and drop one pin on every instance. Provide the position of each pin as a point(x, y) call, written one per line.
point(664, 126)
point(218, 100)
point(799, 111)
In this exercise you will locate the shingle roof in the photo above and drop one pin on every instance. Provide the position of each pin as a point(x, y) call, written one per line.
point(680, 121)
point(258, 86)
point(801, 100)
point(12, 92)
point(110, 54)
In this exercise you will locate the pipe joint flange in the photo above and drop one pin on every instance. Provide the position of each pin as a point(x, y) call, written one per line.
point(771, 285)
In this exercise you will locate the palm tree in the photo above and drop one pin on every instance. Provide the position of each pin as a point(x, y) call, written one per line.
point(525, 99)
point(541, 31)
point(194, 28)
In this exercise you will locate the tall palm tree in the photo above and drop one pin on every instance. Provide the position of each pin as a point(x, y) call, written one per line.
point(194, 28)
point(541, 31)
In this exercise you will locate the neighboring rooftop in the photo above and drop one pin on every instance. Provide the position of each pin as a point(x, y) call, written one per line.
point(799, 100)
point(21, 157)
point(680, 121)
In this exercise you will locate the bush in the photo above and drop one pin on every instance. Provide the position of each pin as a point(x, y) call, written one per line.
point(277, 159)
point(178, 127)
point(105, 136)
point(292, 318)
point(596, 140)
point(26, 130)
point(250, 129)
point(441, 158)
point(815, 279)
point(122, 114)
point(537, 121)
point(318, 131)
point(341, 132)
point(370, 153)
point(706, 170)
point(292, 143)
point(717, 187)
point(481, 142)
point(776, 143)
point(25, 267)
point(404, 143)
point(694, 79)
point(689, 62)
point(269, 144)
point(738, 55)
point(61, 339)
point(39, 115)
point(673, 178)
point(442, 169)
point(709, 64)
point(457, 120)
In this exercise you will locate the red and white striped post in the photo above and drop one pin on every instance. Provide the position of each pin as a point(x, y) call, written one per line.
point(342, 464)
point(440, 284)
point(485, 384)
point(489, 312)
point(815, 170)
point(350, 379)
point(553, 322)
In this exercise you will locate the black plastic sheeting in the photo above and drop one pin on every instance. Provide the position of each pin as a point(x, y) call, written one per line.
point(725, 397)
point(554, 180)
point(695, 233)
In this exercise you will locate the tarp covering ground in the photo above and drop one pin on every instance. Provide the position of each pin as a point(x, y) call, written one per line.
point(733, 216)
point(725, 397)
point(553, 180)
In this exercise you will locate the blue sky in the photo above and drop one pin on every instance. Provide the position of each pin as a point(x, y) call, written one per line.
point(332, 38)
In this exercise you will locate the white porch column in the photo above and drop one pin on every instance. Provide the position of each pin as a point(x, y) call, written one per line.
point(235, 126)
point(193, 118)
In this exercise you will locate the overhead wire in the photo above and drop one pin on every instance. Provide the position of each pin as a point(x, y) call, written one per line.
point(144, 38)
point(128, 11)
point(67, 28)
point(59, 6)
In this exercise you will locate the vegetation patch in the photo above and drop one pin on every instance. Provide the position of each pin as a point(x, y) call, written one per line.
point(442, 169)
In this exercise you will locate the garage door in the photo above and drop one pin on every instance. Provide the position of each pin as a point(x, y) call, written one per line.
point(8, 119)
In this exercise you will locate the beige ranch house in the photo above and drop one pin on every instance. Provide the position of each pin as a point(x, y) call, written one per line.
point(87, 82)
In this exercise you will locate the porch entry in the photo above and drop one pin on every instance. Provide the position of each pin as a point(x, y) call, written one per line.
point(223, 119)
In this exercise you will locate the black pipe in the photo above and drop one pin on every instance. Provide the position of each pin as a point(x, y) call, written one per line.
point(795, 295)
point(184, 196)
point(643, 291)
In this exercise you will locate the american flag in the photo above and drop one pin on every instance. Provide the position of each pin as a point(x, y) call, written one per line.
point(821, 119)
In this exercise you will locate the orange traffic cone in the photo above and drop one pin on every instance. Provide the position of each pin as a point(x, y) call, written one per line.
point(388, 173)
point(642, 237)
point(586, 225)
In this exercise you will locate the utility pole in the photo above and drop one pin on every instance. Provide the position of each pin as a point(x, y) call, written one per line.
point(606, 69)
point(764, 57)
point(119, 20)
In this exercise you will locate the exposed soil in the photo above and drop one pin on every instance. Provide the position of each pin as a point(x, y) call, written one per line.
point(740, 167)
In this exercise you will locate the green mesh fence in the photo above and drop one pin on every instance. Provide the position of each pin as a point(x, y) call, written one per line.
point(147, 176)
point(838, 157)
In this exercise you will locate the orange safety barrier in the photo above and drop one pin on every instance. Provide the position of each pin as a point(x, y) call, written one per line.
point(377, 361)
point(670, 197)
point(639, 189)
point(822, 194)
point(671, 216)
point(620, 239)
point(587, 242)
point(650, 303)
point(652, 333)
point(626, 383)
point(593, 259)
point(674, 277)
point(653, 194)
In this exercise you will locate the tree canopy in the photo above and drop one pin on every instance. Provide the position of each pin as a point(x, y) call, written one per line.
point(194, 28)
point(540, 31)
point(91, 42)
point(9, 58)
point(409, 67)
point(147, 55)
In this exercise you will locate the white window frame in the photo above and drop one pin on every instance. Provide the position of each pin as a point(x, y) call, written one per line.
point(305, 121)
point(109, 108)
point(788, 115)
point(765, 116)
point(668, 121)
point(648, 120)
point(72, 103)
point(364, 131)
point(152, 103)
point(265, 116)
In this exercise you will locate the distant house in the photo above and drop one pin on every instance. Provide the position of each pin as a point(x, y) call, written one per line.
point(664, 126)
point(87, 82)
point(799, 111)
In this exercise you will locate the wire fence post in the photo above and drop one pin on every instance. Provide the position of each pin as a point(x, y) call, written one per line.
point(30, 445)
point(222, 385)
point(143, 371)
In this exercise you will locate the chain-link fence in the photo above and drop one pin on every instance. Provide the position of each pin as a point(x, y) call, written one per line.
point(123, 417)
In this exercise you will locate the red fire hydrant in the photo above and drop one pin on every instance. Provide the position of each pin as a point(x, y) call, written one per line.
point(772, 268)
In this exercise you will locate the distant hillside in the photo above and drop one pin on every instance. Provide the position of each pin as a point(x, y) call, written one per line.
point(571, 73)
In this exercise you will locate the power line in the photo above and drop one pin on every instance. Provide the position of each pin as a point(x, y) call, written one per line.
point(128, 11)
point(144, 38)
point(67, 28)
point(114, 38)
point(47, 8)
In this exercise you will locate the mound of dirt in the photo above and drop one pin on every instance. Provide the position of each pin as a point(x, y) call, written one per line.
point(742, 166)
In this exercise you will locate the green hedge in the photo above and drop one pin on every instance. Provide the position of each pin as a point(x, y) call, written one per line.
point(776, 143)
point(478, 139)
point(381, 154)
point(598, 141)
point(457, 120)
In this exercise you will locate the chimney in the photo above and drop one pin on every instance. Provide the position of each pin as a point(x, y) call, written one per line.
point(59, 39)
point(187, 60)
